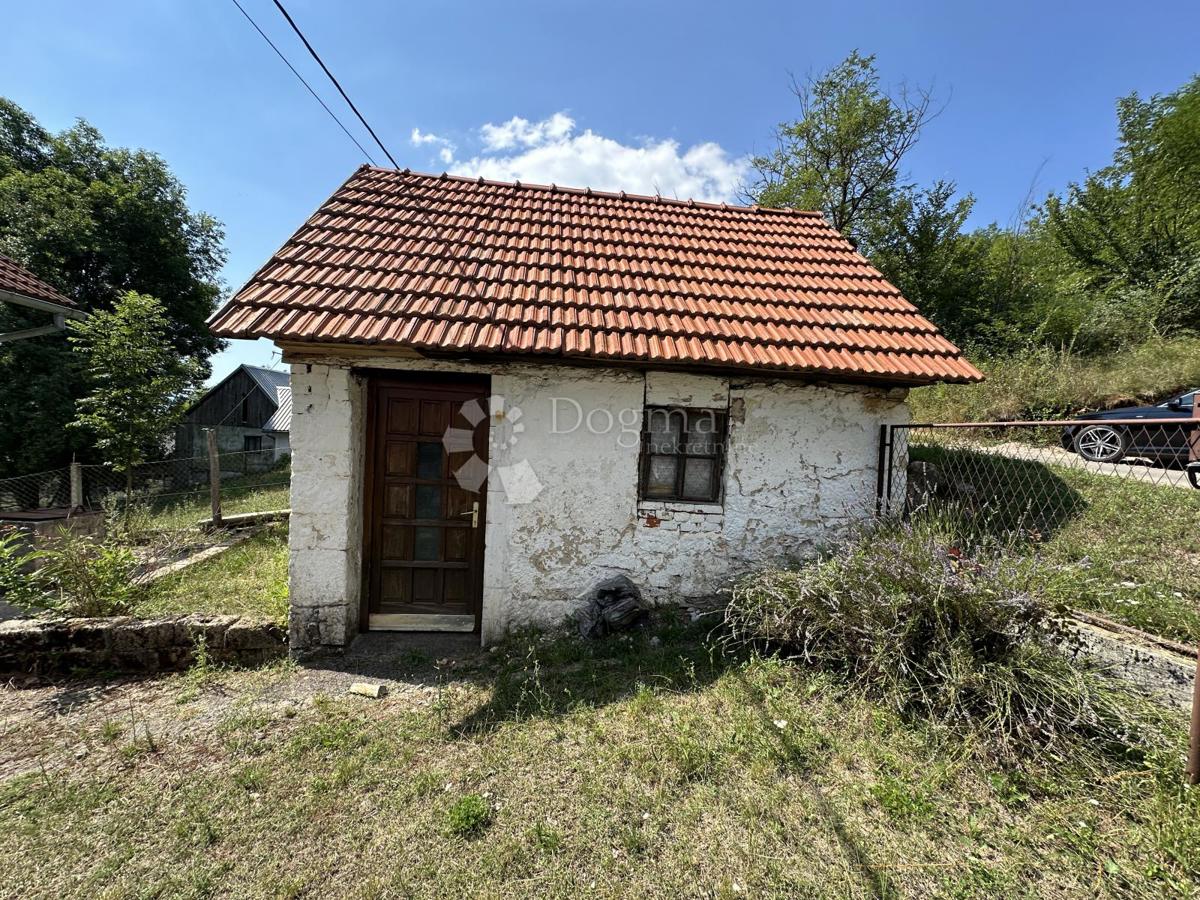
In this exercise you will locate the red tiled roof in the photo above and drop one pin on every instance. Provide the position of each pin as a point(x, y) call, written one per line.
point(467, 266)
point(16, 279)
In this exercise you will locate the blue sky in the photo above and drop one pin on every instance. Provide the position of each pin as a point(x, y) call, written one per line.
point(638, 95)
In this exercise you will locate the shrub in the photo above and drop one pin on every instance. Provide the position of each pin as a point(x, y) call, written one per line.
point(20, 584)
point(906, 615)
point(90, 577)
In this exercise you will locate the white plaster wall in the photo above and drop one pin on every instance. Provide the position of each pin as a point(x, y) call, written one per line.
point(800, 465)
point(325, 533)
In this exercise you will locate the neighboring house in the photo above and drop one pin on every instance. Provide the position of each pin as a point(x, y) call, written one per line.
point(251, 410)
point(507, 392)
point(20, 287)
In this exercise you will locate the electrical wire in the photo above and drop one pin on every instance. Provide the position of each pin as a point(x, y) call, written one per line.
point(345, 96)
point(316, 96)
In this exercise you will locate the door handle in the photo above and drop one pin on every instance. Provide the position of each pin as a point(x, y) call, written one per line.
point(473, 512)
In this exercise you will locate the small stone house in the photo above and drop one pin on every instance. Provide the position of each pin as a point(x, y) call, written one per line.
point(504, 393)
point(251, 411)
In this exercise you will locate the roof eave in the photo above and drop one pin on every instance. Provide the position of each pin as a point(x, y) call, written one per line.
point(378, 349)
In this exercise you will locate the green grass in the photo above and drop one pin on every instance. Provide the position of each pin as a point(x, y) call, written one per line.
point(1132, 553)
point(616, 769)
point(1121, 547)
point(1044, 384)
point(254, 492)
point(249, 579)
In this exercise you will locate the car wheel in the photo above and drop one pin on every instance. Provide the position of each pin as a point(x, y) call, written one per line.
point(1193, 473)
point(1100, 443)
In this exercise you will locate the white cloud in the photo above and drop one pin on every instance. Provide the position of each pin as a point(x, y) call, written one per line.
point(445, 148)
point(552, 152)
point(528, 134)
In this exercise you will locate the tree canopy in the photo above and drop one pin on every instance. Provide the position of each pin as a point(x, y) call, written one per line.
point(95, 221)
point(1113, 261)
point(1132, 229)
point(844, 154)
point(139, 384)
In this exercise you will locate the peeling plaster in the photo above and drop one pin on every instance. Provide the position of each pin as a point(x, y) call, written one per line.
point(800, 467)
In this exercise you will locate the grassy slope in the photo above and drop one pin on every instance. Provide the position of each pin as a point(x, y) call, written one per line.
point(623, 768)
point(1044, 384)
point(1132, 553)
point(1125, 548)
point(248, 579)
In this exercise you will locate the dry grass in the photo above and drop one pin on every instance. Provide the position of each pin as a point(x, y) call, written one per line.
point(649, 766)
point(1044, 384)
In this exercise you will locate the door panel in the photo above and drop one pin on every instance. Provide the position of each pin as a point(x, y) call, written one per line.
point(425, 531)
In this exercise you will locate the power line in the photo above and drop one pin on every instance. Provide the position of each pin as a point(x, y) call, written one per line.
point(316, 96)
point(345, 96)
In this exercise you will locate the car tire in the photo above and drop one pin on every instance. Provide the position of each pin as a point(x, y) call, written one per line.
point(1193, 473)
point(1101, 443)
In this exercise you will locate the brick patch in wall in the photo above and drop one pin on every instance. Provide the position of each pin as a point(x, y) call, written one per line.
point(682, 517)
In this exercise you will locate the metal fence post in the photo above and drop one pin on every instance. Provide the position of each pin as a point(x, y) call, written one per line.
point(214, 477)
point(883, 477)
point(1193, 769)
point(76, 486)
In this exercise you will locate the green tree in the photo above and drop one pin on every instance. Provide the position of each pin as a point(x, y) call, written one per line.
point(94, 221)
point(139, 384)
point(844, 155)
point(922, 250)
point(1132, 229)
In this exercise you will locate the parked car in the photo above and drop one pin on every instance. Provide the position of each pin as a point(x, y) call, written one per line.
point(1160, 443)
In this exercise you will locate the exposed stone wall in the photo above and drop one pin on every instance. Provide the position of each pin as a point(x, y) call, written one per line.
point(124, 644)
point(801, 464)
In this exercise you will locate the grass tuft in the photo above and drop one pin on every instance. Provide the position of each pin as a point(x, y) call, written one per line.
point(959, 635)
point(468, 816)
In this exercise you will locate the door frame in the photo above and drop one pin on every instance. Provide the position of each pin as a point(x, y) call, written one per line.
point(382, 378)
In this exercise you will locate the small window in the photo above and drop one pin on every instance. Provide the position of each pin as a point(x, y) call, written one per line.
point(245, 410)
point(252, 442)
point(683, 454)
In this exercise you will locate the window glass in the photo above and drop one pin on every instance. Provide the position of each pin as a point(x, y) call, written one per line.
point(429, 459)
point(697, 478)
point(660, 478)
point(429, 501)
point(665, 429)
point(427, 542)
point(683, 454)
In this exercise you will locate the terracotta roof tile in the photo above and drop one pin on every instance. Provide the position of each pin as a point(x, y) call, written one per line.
point(465, 265)
point(16, 279)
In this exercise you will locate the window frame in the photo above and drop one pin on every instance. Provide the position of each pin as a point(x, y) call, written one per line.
point(246, 441)
point(717, 495)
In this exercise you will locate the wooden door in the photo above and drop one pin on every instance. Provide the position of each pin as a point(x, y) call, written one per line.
point(425, 523)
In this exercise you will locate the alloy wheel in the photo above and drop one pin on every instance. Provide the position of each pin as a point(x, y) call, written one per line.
point(1100, 443)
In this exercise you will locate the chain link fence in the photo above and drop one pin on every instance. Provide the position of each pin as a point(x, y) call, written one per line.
point(249, 481)
point(41, 490)
point(1030, 475)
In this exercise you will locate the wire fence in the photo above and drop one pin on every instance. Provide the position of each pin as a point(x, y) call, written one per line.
point(40, 490)
point(1030, 476)
point(177, 483)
